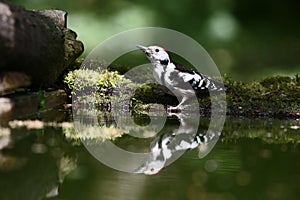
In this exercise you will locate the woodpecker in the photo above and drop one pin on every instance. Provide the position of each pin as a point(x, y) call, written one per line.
point(179, 79)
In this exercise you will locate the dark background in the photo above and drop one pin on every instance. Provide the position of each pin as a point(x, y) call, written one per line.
point(248, 39)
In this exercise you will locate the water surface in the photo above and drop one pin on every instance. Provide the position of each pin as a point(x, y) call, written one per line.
point(252, 159)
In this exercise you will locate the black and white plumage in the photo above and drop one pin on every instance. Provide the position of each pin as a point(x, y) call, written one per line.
point(180, 80)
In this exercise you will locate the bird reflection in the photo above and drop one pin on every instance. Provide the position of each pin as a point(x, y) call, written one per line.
point(166, 148)
point(100, 130)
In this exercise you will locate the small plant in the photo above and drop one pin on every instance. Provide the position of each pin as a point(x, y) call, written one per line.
point(92, 86)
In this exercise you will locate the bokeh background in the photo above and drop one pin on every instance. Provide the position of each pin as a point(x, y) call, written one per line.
point(248, 39)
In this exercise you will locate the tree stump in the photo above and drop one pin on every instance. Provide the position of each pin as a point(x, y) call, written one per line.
point(36, 44)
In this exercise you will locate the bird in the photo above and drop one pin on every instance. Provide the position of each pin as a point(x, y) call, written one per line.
point(182, 81)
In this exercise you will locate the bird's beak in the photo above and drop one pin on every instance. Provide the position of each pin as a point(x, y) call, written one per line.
point(144, 49)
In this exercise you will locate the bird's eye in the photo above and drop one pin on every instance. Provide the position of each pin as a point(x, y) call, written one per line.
point(156, 50)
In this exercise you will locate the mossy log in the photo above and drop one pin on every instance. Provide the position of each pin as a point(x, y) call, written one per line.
point(277, 97)
point(36, 43)
point(272, 97)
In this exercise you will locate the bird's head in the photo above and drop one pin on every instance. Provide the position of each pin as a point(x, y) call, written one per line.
point(156, 54)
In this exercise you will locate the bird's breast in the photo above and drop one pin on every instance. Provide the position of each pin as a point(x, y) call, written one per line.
point(159, 73)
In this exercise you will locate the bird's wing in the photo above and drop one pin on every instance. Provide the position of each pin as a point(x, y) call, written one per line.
point(196, 80)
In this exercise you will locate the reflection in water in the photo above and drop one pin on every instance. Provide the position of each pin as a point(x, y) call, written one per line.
point(99, 130)
point(254, 159)
point(33, 163)
point(166, 148)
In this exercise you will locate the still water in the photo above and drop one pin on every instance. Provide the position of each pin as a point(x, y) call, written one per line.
point(252, 159)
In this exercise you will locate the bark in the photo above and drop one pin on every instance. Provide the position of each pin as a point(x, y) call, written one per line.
point(36, 43)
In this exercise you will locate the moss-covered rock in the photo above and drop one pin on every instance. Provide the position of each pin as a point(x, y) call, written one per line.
point(103, 87)
point(92, 86)
point(272, 97)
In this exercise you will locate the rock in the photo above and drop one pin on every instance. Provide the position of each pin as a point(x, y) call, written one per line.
point(13, 80)
point(36, 43)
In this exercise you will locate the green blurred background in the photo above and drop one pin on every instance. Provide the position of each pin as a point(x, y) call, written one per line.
point(248, 39)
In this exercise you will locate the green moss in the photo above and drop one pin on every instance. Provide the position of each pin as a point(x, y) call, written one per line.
point(273, 96)
point(98, 86)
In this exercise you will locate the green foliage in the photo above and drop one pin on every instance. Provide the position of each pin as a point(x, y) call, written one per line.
point(273, 96)
point(98, 86)
point(103, 88)
point(85, 78)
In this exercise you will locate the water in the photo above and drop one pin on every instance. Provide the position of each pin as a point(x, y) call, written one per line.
point(252, 159)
